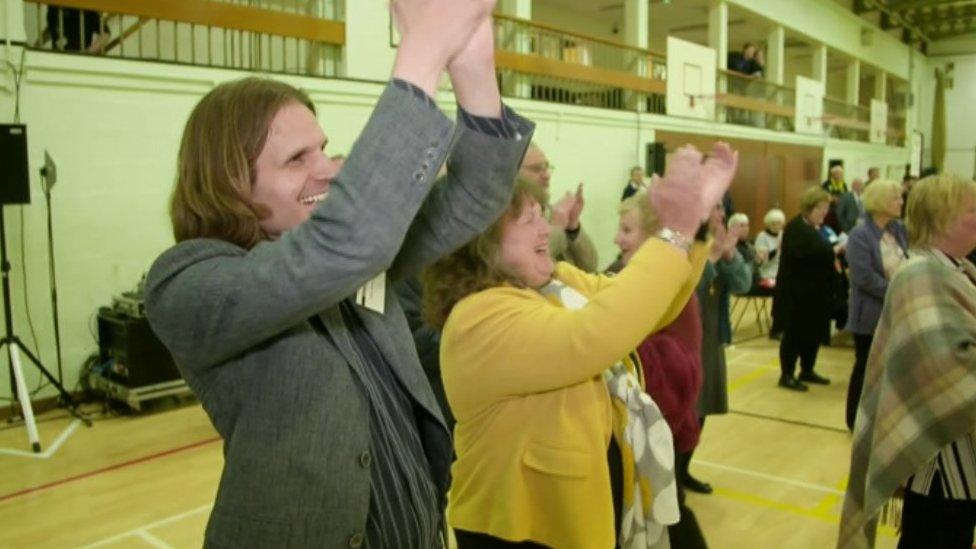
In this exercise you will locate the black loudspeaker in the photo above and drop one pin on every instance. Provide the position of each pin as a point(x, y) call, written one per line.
point(14, 172)
point(656, 156)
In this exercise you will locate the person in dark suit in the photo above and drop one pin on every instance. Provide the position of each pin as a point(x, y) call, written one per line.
point(276, 301)
point(634, 184)
point(804, 289)
point(836, 187)
point(850, 206)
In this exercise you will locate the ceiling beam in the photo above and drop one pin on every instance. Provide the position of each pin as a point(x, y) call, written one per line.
point(903, 5)
point(888, 22)
point(953, 32)
point(925, 18)
point(861, 7)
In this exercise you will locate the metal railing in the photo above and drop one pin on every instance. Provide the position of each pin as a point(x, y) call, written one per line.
point(537, 61)
point(279, 36)
point(752, 101)
point(897, 125)
point(845, 120)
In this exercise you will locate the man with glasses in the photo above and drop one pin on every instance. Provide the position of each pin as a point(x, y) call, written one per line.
point(567, 240)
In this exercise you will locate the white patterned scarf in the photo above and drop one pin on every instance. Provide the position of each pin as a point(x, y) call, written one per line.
point(646, 447)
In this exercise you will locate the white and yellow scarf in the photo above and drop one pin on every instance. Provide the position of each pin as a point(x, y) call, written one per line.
point(646, 446)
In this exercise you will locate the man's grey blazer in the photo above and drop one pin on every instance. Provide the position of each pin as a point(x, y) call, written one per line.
point(283, 395)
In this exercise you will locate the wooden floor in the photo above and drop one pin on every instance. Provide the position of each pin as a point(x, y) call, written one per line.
point(778, 463)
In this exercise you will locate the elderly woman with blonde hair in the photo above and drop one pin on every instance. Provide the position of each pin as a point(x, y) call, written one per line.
point(876, 248)
point(670, 360)
point(915, 431)
point(557, 445)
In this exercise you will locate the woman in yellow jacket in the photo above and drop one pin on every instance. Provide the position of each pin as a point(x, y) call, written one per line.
point(524, 365)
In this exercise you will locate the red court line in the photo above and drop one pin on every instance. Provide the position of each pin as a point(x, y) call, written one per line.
point(122, 465)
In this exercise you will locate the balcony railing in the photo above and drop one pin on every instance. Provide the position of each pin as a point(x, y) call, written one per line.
point(846, 121)
point(897, 119)
point(283, 36)
point(306, 37)
point(537, 61)
point(752, 101)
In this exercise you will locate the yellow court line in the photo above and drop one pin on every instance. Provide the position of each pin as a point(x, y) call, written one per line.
point(752, 376)
point(816, 514)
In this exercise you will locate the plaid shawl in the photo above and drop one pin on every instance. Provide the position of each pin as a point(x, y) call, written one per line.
point(919, 390)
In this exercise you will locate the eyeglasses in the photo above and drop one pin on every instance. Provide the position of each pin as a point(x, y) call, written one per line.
point(540, 168)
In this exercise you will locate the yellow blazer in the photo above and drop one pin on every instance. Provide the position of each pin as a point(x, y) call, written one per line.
point(523, 378)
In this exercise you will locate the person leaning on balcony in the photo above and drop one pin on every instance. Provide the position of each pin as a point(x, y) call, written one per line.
point(567, 241)
point(876, 248)
point(915, 433)
point(332, 436)
point(749, 61)
point(551, 416)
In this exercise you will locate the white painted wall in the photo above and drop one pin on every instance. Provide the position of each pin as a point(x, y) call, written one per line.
point(960, 131)
point(593, 22)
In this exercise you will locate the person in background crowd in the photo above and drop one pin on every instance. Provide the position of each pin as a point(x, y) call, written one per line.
point(670, 360)
point(275, 303)
point(567, 240)
point(72, 29)
point(635, 183)
point(535, 359)
point(767, 246)
point(739, 224)
point(875, 250)
point(915, 434)
point(906, 188)
point(836, 187)
point(850, 207)
point(749, 61)
point(804, 291)
point(873, 174)
point(725, 272)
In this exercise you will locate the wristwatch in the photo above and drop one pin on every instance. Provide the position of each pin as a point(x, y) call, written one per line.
point(675, 238)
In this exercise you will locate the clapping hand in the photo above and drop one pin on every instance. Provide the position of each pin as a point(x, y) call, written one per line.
point(567, 210)
point(434, 33)
point(723, 247)
point(690, 189)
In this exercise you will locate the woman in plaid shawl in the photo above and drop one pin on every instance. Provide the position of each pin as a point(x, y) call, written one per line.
point(916, 425)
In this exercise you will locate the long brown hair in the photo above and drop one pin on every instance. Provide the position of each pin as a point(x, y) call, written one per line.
point(215, 168)
point(475, 266)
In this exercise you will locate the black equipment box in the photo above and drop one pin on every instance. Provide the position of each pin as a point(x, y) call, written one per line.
point(137, 357)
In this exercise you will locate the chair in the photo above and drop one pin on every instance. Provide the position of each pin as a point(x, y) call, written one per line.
point(758, 299)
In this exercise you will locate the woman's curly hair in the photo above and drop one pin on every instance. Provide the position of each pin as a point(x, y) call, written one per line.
point(475, 266)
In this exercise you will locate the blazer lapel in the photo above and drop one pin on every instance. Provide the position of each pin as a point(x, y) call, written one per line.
point(338, 332)
point(400, 358)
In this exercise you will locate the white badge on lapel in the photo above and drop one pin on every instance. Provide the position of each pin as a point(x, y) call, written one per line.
point(373, 294)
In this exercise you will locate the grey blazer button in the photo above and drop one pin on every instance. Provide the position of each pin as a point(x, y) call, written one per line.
point(430, 153)
point(418, 176)
point(356, 540)
point(365, 459)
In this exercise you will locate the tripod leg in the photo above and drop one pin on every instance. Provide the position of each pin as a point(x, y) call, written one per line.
point(25, 403)
point(66, 398)
point(65, 395)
